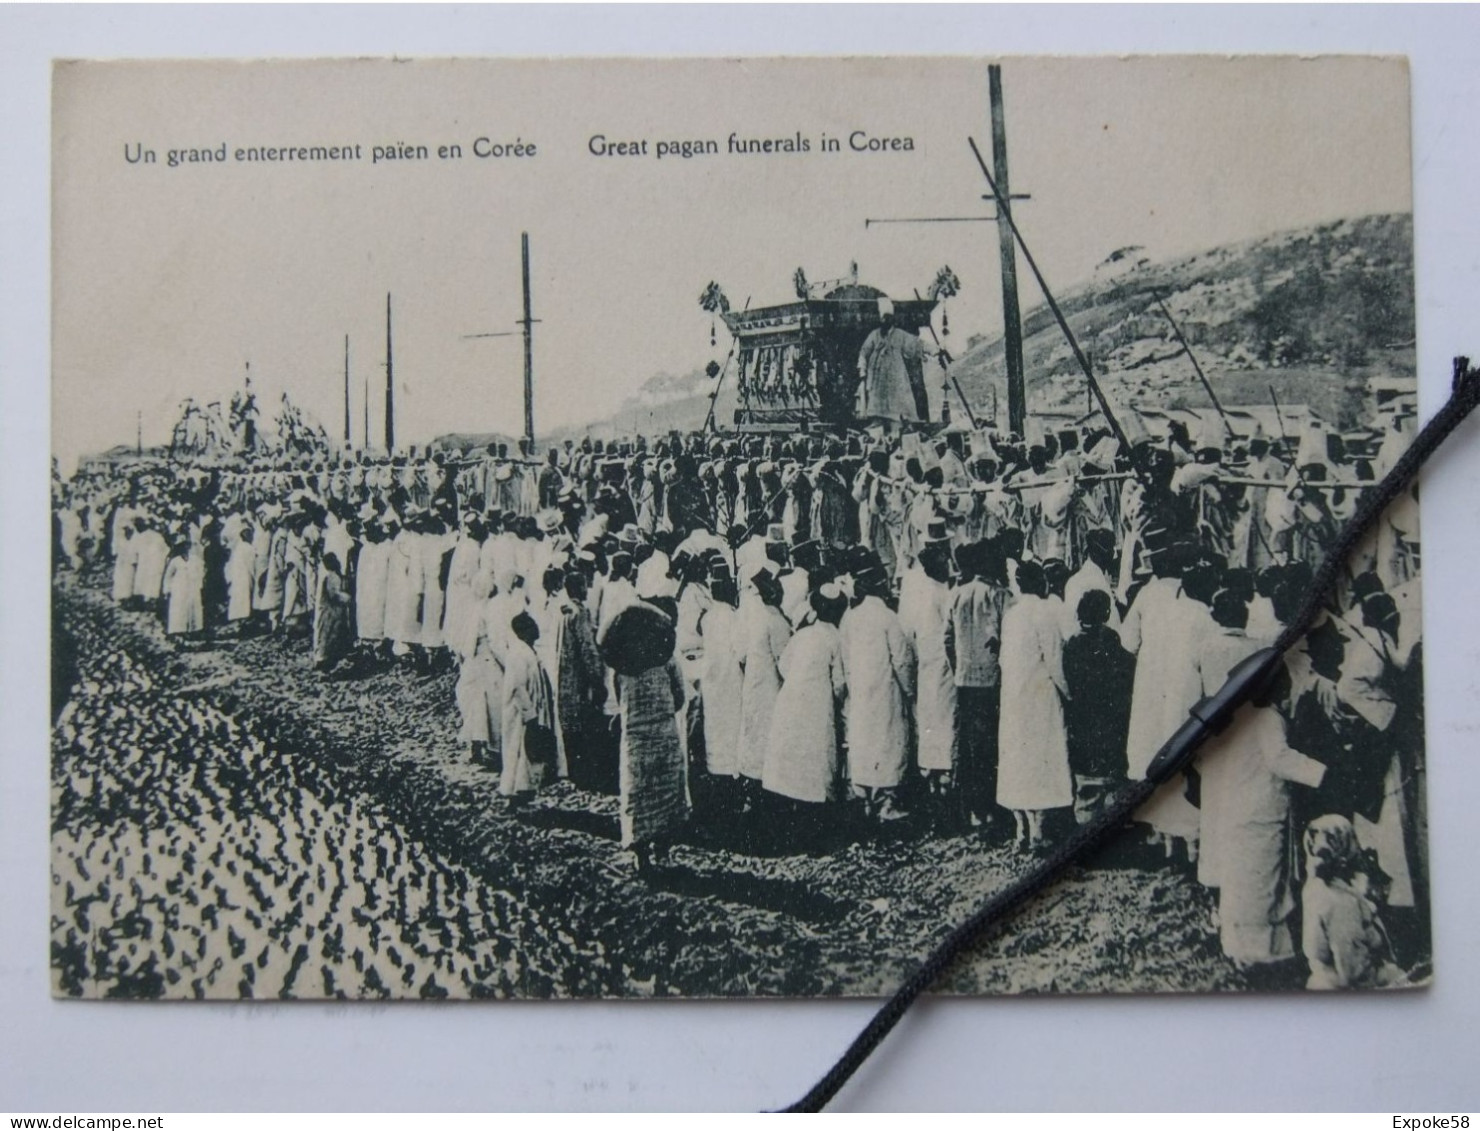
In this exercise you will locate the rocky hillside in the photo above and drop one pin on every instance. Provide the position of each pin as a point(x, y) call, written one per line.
point(1316, 313)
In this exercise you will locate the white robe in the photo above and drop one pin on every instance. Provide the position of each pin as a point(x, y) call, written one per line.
point(240, 575)
point(1164, 631)
point(1032, 743)
point(803, 759)
point(764, 636)
point(466, 593)
point(153, 551)
point(125, 563)
point(1166, 682)
point(1245, 849)
point(527, 701)
point(721, 681)
point(431, 548)
point(879, 668)
point(183, 585)
point(480, 678)
point(402, 588)
point(924, 611)
point(370, 590)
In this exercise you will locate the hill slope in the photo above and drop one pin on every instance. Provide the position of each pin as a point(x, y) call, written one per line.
point(1315, 313)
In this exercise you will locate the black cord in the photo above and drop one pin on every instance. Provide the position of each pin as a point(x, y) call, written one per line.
point(1207, 718)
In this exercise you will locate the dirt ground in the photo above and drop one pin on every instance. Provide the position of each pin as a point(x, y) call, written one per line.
point(227, 823)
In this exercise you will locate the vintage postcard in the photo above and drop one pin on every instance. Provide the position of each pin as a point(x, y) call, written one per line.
point(697, 528)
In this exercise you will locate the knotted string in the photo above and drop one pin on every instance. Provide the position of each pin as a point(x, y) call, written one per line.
point(1207, 718)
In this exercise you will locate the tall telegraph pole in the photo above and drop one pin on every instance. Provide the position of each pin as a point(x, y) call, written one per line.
point(528, 324)
point(347, 438)
point(1012, 340)
point(390, 384)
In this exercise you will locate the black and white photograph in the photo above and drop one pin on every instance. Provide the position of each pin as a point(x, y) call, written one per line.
point(697, 528)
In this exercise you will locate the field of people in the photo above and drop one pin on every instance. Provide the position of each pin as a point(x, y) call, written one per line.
point(228, 824)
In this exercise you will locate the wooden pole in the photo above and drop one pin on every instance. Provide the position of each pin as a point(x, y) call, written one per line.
point(390, 384)
point(528, 351)
point(1053, 305)
point(348, 439)
point(1012, 326)
point(1201, 376)
point(367, 414)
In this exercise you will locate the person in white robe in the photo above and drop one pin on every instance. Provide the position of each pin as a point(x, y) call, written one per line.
point(879, 668)
point(1161, 629)
point(152, 553)
point(266, 544)
point(891, 372)
point(804, 751)
point(300, 581)
point(240, 575)
point(435, 544)
point(183, 587)
point(1033, 773)
point(764, 634)
point(125, 560)
point(272, 574)
point(480, 680)
point(467, 589)
point(121, 529)
point(722, 677)
point(1247, 772)
point(372, 574)
point(924, 613)
point(527, 716)
point(402, 585)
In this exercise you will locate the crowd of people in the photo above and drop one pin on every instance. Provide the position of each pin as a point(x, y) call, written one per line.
point(813, 635)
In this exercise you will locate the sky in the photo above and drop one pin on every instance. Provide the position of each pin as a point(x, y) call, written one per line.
point(167, 281)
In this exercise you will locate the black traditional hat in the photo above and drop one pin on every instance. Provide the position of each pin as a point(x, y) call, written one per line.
point(638, 638)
